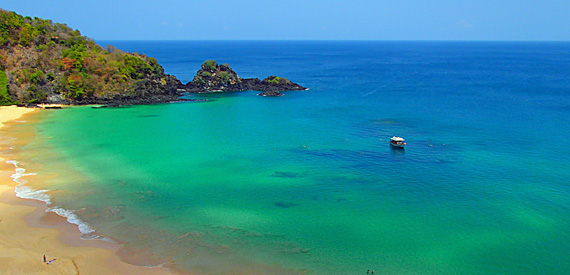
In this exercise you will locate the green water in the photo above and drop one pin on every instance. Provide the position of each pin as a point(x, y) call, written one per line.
point(204, 186)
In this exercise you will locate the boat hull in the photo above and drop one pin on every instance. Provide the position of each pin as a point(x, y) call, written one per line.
point(397, 145)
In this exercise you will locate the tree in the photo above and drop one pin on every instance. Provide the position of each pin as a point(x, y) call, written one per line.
point(5, 98)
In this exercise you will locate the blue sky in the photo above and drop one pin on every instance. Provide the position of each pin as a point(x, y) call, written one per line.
point(305, 19)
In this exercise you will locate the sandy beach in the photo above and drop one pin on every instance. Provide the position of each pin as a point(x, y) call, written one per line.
point(28, 234)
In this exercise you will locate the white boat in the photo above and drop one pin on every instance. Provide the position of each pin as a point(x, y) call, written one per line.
point(397, 142)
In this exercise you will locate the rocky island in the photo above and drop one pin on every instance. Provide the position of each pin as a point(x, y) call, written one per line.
point(222, 78)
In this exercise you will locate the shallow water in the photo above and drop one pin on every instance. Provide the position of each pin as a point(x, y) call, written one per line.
point(307, 183)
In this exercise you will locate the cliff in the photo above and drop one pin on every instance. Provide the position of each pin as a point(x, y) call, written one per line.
point(222, 78)
point(46, 62)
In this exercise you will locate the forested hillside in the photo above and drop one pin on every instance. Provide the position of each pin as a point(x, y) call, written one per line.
point(46, 62)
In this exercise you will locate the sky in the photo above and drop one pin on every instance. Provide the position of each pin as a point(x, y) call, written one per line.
point(535, 20)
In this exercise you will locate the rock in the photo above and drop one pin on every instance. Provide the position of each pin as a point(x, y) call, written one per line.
point(271, 93)
point(215, 78)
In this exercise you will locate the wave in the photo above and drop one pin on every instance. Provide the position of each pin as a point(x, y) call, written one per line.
point(84, 228)
point(26, 192)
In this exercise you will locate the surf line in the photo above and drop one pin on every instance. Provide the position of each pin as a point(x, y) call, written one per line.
point(25, 192)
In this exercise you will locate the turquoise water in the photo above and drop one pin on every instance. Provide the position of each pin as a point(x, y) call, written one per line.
point(306, 183)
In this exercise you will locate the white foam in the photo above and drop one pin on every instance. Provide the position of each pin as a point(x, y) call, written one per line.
point(84, 228)
point(19, 172)
point(25, 192)
point(14, 162)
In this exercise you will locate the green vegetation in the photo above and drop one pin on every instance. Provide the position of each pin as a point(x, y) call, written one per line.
point(275, 80)
point(40, 58)
point(224, 76)
point(199, 80)
point(4, 96)
point(211, 65)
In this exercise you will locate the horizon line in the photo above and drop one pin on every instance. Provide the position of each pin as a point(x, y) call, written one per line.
point(333, 40)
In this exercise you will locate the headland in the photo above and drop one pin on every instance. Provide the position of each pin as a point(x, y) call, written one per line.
point(51, 63)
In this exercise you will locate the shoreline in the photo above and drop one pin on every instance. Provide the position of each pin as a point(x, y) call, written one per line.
point(28, 232)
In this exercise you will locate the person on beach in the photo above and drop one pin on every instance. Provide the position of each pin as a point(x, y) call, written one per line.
point(44, 258)
point(51, 261)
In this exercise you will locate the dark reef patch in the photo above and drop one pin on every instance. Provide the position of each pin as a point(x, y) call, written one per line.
point(282, 204)
point(290, 175)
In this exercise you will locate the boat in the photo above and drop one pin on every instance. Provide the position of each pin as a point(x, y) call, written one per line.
point(397, 142)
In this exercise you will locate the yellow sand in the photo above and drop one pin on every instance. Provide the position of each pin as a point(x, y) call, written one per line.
point(8, 113)
point(27, 233)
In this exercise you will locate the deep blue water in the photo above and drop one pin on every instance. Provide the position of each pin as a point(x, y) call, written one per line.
point(307, 183)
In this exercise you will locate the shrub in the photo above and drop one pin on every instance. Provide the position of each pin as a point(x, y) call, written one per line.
point(210, 65)
point(275, 80)
point(37, 77)
point(155, 66)
point(50, 76)
point(224, 76)
point(199, 80)
point(5, 98)
point(134, 67)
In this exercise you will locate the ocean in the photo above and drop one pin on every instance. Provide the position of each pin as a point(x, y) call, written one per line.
point(307, 183)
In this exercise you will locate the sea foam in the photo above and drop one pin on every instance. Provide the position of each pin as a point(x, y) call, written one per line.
point(84, 228)
point(26, 192)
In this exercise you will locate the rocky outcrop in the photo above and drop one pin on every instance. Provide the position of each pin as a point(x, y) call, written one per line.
point(144, 91)
point(222, 78)
point(272, 93)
